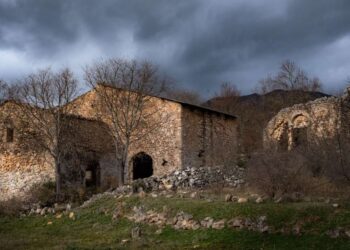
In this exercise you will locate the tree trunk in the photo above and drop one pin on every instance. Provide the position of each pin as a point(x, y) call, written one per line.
point(120, 171)
point(125, 161)
point(58, 180)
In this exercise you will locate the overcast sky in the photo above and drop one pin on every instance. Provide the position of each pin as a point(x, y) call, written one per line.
point(199, 43)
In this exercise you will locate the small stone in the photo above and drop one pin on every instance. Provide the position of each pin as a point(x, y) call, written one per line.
point(279, 200)
point(335, 205)
point(154, 195)
point(218, 224)
point(124, 241)
point(59, 216)
point(347, 233)
point(68, 207)
point(228, 197)
point(71, 216)
point(236, 223)
point(242, 200)
point(142, 194)
point(194, 195)
point(259, 200)
point(159, 231)
point(49, 223)
point(135, 233)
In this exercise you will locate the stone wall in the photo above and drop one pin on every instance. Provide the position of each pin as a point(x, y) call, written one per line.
point(185, 135)
point(209, 138)
point(163, 143)
point(23, 163)
point(319, 119)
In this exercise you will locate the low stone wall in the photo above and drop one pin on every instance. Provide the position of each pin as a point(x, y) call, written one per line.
point(19, 172)
point(18, 183)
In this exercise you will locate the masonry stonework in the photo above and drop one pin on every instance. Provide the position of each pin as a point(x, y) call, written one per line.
point(313, 121)
point(185, 135)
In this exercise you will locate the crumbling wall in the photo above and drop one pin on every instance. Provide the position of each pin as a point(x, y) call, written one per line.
point(22, 165)
point(302, 123)
point(208, 138)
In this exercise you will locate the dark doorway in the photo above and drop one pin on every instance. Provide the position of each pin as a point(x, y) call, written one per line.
point(299, 137)
point(92, 174)
point(142, 166)
point(283, 141)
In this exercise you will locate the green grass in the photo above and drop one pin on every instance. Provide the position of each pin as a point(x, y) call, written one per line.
point(95, 229)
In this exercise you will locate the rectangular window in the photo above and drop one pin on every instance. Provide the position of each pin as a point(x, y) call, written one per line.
point(9, 134)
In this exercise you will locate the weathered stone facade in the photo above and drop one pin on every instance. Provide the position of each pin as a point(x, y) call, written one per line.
point(323, 118)
point(23, 163)
point(188, 136)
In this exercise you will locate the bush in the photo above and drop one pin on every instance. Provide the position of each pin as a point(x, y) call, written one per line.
point(11, 207)
point(44, 194)
point(280, 174)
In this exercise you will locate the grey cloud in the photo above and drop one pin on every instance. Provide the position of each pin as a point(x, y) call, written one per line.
point(199, 43)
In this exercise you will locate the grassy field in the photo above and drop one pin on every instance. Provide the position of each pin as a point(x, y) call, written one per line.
point(93, 227)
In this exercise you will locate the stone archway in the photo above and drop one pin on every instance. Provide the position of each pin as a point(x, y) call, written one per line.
point(142, 166)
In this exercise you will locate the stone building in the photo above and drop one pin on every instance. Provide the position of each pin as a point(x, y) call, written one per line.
point(314, 121)
point(24, 163)
point(191, 136)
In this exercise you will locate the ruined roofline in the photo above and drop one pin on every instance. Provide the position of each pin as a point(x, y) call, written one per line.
point(325, 99)
point(78, 117)
point(171, 100)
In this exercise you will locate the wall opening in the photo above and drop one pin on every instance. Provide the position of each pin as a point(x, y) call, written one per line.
point(299, 136)
point(283, 140)
point(142, 166)
point(9, 134)
point(92, 174)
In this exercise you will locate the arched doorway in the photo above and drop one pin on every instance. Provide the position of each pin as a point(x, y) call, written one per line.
point(92, 174)
point(142, 166)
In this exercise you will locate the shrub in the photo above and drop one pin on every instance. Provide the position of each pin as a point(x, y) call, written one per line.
point(11, 207)
point(43, 193)
point(277, 174)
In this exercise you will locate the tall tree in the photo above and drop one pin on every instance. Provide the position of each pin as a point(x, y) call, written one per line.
point(290, 77)
point(126, 89)
point(43, 99)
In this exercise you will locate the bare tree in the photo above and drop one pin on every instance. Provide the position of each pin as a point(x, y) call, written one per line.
point(184, 95)
point(290, 77)
point(43, 99)
point(126, 90)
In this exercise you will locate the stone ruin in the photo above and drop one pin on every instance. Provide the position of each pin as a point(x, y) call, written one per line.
point(192, 136)
point(323, 118)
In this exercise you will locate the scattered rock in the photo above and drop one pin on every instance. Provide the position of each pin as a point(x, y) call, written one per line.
point(228, 197)
point(124, 241)
point(49, 223)
point(159, 231)
point(68, 207)
point(218, 224)
point(142, 194)
point(207, 222)
point(136, 233)
point(335, 205)
point(259, 200)
point(242, 200)
point(71, 216)
point(194, 195)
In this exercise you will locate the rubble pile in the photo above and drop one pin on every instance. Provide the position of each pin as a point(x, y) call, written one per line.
point(186, 221)
point(193, 178)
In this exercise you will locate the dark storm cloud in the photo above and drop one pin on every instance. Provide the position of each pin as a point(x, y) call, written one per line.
point(199, 43)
